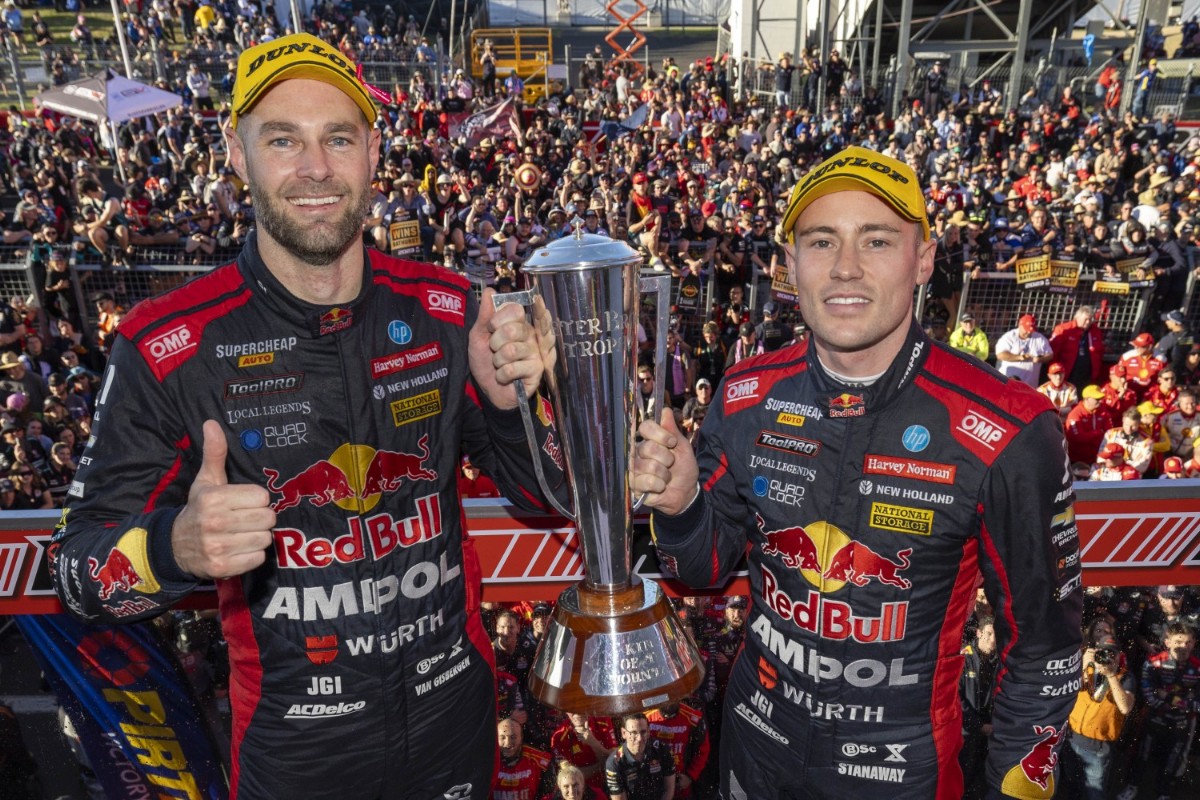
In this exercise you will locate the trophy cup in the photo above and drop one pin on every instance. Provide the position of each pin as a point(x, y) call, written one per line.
point(614, 645)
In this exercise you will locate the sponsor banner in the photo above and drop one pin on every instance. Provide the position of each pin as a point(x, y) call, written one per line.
point(1142, 533)
point(404, 238)
point(1064, 275)
point(131, 706)
point(1034, 272)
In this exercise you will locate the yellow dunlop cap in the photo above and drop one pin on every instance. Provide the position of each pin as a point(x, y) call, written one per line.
point(300, 55)
point(862, 170)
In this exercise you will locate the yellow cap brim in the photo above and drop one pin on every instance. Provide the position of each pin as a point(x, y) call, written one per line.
point(845, 182)
point(313, 69)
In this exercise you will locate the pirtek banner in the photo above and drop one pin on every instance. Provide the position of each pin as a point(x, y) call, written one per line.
point(1134, 533)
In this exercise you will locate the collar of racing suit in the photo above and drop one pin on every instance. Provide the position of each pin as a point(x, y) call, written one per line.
point(315, 320)
point(904, 368)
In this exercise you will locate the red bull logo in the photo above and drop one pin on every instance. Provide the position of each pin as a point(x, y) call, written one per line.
point(859, 564)
point(829, 559)
point(320, 483)
point(833, 619)
point(794, 546)
point(334, 320)
point(354, 477)
point(116, 573)
point(391, 468)
point(1038, 765)
point(381, 533)
point(847, 405)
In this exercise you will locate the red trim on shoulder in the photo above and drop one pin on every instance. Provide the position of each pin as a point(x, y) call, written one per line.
point(943, 700)
point(1009, 395)
point(167, 331)
point(539, 757)
point(246, 660)
point(747, 382)
point(441, 292)
point(985, 425)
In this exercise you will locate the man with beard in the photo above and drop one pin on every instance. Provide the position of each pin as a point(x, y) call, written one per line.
point(299, 418)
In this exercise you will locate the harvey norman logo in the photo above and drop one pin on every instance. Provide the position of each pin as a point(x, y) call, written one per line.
point(407, 359)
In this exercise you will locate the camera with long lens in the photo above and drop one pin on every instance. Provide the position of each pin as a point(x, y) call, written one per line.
point(1105, 657)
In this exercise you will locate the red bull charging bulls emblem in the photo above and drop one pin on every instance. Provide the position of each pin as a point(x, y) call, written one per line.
point(126, 567)
point(354, 477)
point(1037, 767)
point(829, 559)
point(845, 560)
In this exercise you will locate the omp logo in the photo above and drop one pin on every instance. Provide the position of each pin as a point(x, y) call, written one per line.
point(172, 343)
point(444, 301)
point(745, 389)
point(983, 430)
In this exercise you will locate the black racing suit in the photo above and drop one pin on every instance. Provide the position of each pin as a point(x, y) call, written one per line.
point(360, 667)
point(867, 513)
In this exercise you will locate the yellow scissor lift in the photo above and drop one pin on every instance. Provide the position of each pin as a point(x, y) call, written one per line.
point(529, 51)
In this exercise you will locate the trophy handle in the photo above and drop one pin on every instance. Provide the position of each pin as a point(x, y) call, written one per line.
point(661, 286)
point(525, 299)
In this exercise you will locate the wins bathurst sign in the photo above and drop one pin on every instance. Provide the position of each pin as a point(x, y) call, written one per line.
point(1140, 533)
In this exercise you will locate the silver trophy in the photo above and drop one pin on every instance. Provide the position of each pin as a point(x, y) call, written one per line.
point(614, 645)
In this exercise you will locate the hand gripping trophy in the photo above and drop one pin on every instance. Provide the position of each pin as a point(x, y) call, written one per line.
point(614, 645)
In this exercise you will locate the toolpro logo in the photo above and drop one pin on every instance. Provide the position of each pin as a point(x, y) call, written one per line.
point(788, 443)
point(353, 478)
point(829, 559)
point(847, 405)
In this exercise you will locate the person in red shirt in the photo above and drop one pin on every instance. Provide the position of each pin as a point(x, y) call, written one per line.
point(1110, 465)
point(1086, 425)
point(474, 484)
point(585, 742)
point(1062, 393)
point(1165, 393)
point(1172, 469)
point(1141, 366)
point(682, 729)
point(1118, 395)
point(522, 773)
point(1079, 346)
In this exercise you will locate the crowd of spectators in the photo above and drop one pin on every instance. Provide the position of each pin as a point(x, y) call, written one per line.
point(697, 185)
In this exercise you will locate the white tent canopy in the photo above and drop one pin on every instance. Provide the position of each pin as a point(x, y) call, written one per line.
point(108, 97)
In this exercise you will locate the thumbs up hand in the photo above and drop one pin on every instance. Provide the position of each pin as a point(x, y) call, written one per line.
point(225, 529)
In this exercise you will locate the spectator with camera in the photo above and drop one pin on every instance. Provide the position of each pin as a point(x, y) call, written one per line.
point(1107, 696)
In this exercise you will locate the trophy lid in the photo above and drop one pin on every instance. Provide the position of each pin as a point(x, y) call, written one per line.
point(580, 251)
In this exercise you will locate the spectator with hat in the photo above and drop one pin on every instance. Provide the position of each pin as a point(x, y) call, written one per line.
point(15, 376)
point(108, 318)
point(1172, 469)
point(710, 354)
point(1118, 395)
point(1136, 444)
point(1141, 366)
point(970, 339)
point(1189, 373)
point(1078, 346)
point(1061, 392)
point(696, 407)
point(1175, 344)
point(1111, 466)
point(1021, 351)
point(747, 344)
point(1086, 425)
point(1165, 391)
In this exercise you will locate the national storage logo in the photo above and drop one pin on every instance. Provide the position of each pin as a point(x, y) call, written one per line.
point(420, 406)
point(904, 519)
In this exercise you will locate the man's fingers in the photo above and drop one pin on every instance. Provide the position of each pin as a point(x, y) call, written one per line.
point(214, 451)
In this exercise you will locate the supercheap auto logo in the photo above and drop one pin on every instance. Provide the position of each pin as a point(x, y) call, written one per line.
point(353, 478)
